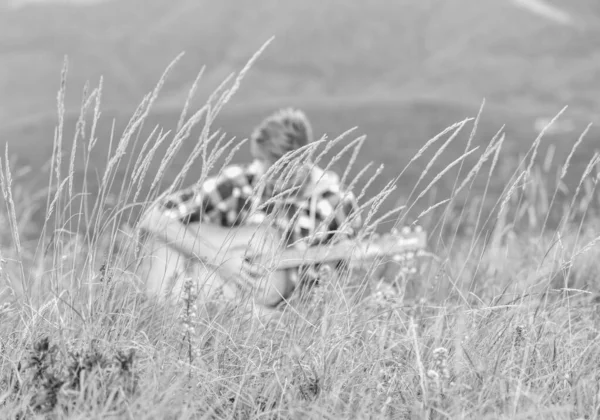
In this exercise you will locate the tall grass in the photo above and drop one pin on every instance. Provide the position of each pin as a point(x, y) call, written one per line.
point(500, 323)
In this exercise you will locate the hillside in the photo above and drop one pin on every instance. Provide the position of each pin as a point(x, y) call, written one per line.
point(401, 49)
point(400, 71)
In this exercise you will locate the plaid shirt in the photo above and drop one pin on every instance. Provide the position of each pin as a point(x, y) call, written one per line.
point(232, 198)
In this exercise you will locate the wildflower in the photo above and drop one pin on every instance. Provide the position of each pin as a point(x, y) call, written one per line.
point(519, 336)
point(440, 357)
point(189, 319)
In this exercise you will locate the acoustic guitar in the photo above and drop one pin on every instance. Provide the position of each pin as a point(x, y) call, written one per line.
point(230, 250)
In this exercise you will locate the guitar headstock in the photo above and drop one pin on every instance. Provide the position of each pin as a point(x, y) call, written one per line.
point(402, 247)
point(401, 241)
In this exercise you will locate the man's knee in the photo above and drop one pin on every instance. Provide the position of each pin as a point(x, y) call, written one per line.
point(274, 289)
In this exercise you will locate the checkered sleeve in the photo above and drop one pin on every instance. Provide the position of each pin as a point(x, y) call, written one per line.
point(217, 200)
point(339, 215)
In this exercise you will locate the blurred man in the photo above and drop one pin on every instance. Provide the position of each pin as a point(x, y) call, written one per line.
point(304, 204)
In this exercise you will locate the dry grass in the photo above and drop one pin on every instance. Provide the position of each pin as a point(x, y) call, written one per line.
point(501, 324)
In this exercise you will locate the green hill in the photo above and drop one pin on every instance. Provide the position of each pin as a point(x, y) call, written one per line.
point(468, 49)
point(401, 71)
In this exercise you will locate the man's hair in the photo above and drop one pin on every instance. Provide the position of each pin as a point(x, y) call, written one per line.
point(284, 131)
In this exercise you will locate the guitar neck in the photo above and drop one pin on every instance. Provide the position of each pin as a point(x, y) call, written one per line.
point(346, 250)
point(293, 258)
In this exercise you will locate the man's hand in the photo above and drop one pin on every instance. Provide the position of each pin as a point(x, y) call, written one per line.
point(254, 267)
point(246, 263)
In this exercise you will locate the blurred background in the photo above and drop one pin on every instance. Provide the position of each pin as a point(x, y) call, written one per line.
point(400, 70)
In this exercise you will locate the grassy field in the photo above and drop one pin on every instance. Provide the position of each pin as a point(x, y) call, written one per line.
point(500, 321)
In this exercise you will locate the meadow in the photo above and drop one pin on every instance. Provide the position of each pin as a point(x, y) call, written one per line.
point(500, 321)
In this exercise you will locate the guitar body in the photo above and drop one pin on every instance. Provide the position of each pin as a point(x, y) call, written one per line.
point(218, 270)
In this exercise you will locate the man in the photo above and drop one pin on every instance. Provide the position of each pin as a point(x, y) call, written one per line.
point(302, 203)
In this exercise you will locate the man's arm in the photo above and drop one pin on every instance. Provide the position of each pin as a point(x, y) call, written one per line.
point(191, 240)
